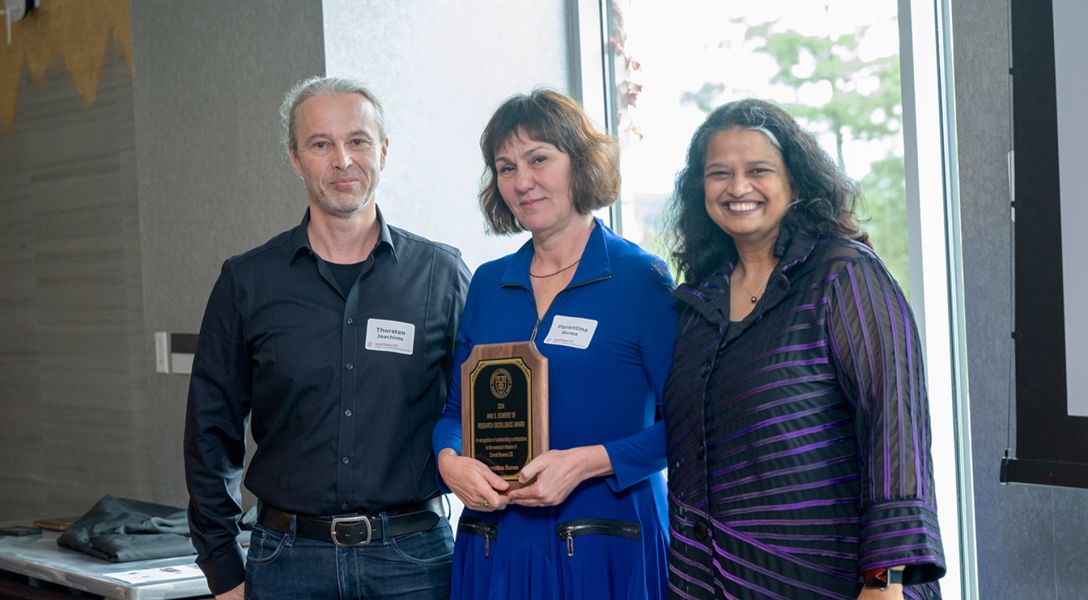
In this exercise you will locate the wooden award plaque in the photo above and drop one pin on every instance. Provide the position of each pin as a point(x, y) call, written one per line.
point(504, 406)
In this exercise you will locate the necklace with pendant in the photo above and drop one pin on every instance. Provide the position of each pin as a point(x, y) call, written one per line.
point(754, 296)
point(531, 274)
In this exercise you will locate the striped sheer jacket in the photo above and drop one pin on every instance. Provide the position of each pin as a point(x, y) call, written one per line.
point(799, 437)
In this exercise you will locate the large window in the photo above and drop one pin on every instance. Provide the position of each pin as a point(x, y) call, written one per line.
point(834, 65)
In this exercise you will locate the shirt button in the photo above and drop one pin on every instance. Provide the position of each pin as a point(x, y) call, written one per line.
point(705, 370)
point(344, 506)
point(350, 321)
point(349, 366)
point(700, 452)
point(347, 413)
point(701, 530)
point(345, 460)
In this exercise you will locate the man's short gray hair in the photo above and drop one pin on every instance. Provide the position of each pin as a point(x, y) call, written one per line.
point(322, 86)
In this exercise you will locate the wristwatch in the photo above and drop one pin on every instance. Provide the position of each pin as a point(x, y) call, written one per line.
point(882, 578)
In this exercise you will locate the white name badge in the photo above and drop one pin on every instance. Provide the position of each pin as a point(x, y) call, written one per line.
point(574, 332)
point(390, 336)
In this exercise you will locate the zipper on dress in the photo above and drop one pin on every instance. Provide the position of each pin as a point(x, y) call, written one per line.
point(487, 529)
point(539, 320)
point(567, 531)
point(536, 326)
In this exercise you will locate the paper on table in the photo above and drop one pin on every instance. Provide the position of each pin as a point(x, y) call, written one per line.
point(157, 574)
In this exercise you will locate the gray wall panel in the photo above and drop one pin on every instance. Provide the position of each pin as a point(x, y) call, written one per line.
point(212, 182)
point(67, 387)
point(20, 403)
point(1027, 537)
point(1070, 567)
point(92, 262)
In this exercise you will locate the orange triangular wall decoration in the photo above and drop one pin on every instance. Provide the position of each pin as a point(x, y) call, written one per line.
point(77, 32)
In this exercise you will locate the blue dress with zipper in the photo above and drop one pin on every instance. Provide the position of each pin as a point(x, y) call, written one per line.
point(607, 393)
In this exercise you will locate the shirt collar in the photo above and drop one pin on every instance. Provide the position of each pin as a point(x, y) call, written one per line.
point(592, 266)
point(300, 240)
point(710, 297)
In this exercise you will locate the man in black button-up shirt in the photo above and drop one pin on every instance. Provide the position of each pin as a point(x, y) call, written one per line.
point(336, 338)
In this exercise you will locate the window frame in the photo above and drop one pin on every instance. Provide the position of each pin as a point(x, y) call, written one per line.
point(936, 266)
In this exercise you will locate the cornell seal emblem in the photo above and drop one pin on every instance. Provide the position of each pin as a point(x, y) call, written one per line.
point(501, 383)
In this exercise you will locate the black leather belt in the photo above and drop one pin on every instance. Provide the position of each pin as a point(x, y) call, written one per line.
point(355, 530)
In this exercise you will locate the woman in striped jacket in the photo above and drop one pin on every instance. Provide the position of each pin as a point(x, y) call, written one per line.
point(796, 408)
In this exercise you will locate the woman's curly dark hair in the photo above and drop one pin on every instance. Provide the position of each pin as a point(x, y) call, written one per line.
point(825, 196)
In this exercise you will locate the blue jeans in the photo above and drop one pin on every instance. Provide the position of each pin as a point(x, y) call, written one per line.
point(412, 566)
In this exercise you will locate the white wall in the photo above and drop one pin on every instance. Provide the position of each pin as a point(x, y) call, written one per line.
point(441, 67)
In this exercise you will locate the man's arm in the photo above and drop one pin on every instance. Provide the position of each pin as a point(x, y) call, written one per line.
point(215, 430)
point(447, 431)
point(461, 278)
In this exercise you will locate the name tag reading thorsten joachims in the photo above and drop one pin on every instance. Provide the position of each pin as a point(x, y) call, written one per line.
point(504, 407)
point(390, 336)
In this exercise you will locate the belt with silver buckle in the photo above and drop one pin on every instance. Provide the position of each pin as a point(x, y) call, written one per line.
point(355, 530)
point(349, 534)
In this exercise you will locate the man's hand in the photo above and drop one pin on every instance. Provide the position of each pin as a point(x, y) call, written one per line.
point(478, 487)
point(238, 593)
point(555, 474)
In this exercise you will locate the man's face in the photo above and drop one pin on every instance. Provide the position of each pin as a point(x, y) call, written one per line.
point(340, 153)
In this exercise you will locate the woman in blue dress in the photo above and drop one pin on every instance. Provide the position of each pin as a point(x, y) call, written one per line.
point(591, 523)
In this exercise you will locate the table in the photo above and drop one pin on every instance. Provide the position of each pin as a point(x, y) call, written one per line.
point(39, 557)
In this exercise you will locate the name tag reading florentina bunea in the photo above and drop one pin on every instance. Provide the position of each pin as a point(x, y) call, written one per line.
point(573, 332)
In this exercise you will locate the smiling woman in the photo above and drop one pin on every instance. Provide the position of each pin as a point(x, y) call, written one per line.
point(796, 408)
point(796, 179)
point(746, 185)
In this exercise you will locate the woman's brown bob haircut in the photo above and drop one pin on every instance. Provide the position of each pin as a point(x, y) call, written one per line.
point(547, 116)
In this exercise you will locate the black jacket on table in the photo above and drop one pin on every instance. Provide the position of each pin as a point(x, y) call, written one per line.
point(124, 529)
point(344, 388)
